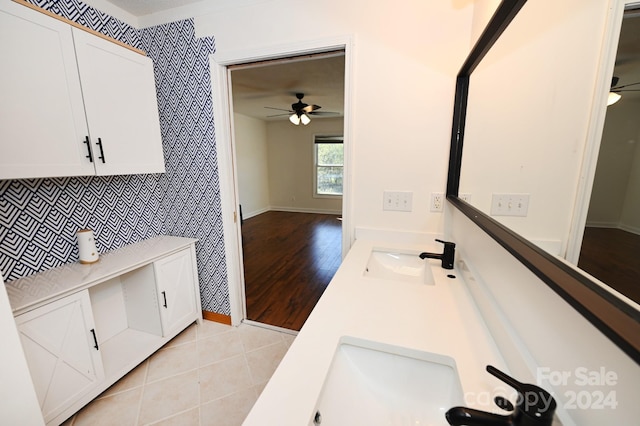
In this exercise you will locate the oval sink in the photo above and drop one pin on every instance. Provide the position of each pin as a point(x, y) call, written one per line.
point(398, 266)
point(370, 383)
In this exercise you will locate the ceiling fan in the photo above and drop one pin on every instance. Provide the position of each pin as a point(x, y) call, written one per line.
point(614, 92)
point(300, 111)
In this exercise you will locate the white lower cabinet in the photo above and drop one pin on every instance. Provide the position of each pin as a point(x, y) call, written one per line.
point(60, 344)
point(83, 327)
point(173, 277)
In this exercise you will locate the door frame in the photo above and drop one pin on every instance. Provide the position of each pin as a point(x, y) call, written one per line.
point(225, 148)
point(604, 74)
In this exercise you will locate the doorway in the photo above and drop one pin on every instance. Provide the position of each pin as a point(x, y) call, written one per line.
point(267, 102)
point(606, 243)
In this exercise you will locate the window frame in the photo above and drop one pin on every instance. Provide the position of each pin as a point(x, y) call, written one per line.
point(339, 139)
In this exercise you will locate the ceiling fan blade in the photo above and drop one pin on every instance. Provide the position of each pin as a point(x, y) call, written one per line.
point(617, 88)
point(280, 109)
point(278, 115)
point(310, 108)
point(323, 113)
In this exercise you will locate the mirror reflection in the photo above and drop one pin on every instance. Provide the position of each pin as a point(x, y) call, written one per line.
point(611, 242)
point(523, 168)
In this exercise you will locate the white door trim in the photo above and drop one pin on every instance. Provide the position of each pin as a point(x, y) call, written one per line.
point(596, 126)
point(223, 122)
point(225, 147)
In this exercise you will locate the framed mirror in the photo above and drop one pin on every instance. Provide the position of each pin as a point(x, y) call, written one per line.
point(510, 112)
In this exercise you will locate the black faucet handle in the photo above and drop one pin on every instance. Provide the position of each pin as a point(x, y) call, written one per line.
point(533, 401)
point(446, 243)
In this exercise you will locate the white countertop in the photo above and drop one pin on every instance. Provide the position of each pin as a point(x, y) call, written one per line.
point(440, 318)
point(35, 290)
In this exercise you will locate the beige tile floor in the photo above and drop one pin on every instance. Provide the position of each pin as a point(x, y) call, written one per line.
point(208, 375)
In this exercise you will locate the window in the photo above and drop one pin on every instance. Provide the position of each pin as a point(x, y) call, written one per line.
point(329, 165)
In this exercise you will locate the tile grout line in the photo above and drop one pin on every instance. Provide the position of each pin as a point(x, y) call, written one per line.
point(144, 386)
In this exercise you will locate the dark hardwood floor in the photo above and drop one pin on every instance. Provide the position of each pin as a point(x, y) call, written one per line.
point(613, 256)
point(289, 258)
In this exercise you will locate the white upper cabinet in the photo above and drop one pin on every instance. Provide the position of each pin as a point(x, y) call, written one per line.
point(73, 103)
point(42, 123)
point(121, 106)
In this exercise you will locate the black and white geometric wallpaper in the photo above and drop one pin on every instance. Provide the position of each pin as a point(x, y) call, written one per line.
point(39, 217)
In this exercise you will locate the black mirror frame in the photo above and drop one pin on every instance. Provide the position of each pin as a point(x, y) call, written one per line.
point(616, 319)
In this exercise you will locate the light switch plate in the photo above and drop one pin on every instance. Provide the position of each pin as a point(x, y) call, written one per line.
point(401, 201)
point(510, 205)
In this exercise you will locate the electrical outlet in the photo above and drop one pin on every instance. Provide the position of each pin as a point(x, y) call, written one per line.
point(401, 201)
point(437, 201)
point(509, 205)
point(465, 197)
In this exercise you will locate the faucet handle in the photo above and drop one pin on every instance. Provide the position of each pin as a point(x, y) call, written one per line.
point(446, 243)
point(533, 401)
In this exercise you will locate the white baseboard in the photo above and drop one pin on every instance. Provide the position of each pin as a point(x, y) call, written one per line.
point(622, 226)
point(254, 213)
point(303, 210)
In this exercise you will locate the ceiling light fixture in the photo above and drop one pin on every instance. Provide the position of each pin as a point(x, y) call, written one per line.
point(295, 119)
point(298, 117)
point(613, 98)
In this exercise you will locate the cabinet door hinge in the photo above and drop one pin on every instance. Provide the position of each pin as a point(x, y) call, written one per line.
point(235, 217)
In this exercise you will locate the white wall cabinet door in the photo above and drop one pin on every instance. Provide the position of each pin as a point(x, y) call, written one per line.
point(61, 351)
point(119, 93)
point(42, 123)
point(176, 291)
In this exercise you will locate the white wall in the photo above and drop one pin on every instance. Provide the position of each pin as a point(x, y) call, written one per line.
point(291, 178)
point(553, 64)
point(275, 165)
point(615, 198)
point(630, 219)
point(405, 58)
point(535, 329)
point(528, 113)
point(252, 164)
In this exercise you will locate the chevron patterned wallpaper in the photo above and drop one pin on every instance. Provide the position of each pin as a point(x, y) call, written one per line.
point(39, 217)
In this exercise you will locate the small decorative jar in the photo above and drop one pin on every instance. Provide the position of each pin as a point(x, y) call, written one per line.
point(87, 246)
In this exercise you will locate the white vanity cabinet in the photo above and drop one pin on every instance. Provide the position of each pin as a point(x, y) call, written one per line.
point(62, 351)
point(83, 327)
point(73, 103)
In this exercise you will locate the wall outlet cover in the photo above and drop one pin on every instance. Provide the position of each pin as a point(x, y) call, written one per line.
point(510, 205)
point(437, 201)
point(401, 201)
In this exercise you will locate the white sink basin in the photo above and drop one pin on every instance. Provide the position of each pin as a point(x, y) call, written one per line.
point(398, 266)
point(371, 383)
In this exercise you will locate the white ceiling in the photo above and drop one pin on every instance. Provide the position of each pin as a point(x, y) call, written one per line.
point(146, 7)
point(274, 84)
point(627, 67)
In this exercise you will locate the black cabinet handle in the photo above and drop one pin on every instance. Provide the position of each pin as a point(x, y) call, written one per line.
point(99, 143)
point(95, 339)
point(89, 156)
point(164, 295)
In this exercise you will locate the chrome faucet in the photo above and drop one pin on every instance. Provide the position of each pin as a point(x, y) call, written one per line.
point(534, 407)
point(446, 257)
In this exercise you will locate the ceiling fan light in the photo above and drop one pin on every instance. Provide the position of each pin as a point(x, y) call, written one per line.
point(613, 98)
point(305, 119)
point(295, 119)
